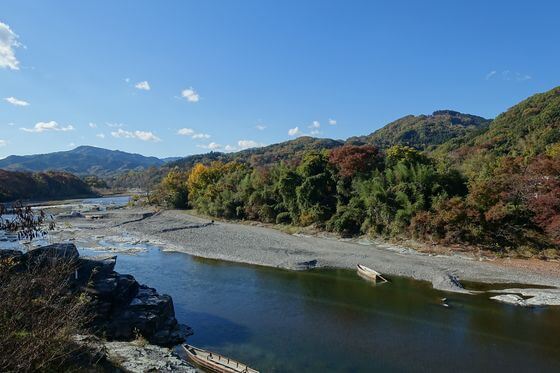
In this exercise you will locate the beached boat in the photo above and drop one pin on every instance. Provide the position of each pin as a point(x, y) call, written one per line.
point(369, 273)
point(214, 362)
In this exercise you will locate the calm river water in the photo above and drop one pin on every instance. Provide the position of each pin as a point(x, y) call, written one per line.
point(332, 320)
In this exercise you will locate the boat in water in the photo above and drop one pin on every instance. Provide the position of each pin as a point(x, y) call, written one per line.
point(369, 273)
point(215, 362)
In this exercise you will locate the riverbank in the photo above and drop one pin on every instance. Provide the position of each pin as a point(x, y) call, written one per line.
point(180, 231)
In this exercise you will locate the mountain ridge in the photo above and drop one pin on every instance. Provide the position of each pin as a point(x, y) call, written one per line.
point(83, 160)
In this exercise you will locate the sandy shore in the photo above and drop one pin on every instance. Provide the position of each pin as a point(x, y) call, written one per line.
point(180, 231)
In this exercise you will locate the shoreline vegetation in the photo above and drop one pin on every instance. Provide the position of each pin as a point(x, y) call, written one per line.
point(28, 186)
point(494, 186)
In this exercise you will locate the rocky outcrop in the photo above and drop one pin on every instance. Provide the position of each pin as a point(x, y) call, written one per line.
point(121, 308)
point(135, 357)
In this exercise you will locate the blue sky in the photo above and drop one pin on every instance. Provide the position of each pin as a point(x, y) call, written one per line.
point(172, 78)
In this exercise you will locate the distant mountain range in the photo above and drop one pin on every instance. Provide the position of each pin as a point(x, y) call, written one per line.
point(84, 160)
point(525, 129)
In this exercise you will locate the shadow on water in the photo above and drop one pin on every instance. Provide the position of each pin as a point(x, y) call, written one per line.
point(223, 331)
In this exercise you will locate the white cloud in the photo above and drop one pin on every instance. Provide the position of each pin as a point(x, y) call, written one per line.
point(114, 125)
point(92, 125)
point(48, 126)
point(140, 135)
point(294, 131)
point(211, 146)
point(201, 136)
point(185, 132)
point(146, 136)
point(508, 75)
point(71, 145)
point(315, 132)
point(260, 127)
point(3, 143)
point(16, 102)
point(230, 148)
point(332, 122)
point(8, 43)
point(100, 135)
point(315, 124)
point(490, 74)
point(246, 144)
point(144, 86)
point(192, 133)
point(11, 124)
point(190, 95)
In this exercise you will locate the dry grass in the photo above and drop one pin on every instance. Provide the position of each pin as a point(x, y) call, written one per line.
point(39, 314)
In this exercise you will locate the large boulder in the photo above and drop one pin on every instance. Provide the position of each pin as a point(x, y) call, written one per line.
point(149, 314)
point(66, 251)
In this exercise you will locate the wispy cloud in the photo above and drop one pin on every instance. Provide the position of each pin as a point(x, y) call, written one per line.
point(246, 144)
point(16, 102)
point(144, 86)
point(211, 146)
point(295, 132)
point(92, 125)
point(114, 125)
point(508, 75)
point(48, 127)
point(185, 132)
point(490, 74)
point(140, 135)
point(314, 127)
point(3, 143)
point(190, 95)
point(100, 135)
point(192, 133)
point(332, 122)
point(8, 44)
point(260, 127)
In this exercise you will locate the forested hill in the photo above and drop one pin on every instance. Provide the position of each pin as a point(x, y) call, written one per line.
point(423, 131)
point(284, 151)
point(84, 160)
point(529, 128)
point(43, 186)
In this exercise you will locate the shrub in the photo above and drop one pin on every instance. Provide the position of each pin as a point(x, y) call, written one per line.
point(39, 316)
point(283, 218)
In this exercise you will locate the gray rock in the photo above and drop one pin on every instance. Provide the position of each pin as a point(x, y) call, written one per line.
point(534, 296)
point(510, 299)
point(55, 251)
point(137, 358)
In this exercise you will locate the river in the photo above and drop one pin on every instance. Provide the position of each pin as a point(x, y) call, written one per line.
point(332, 320)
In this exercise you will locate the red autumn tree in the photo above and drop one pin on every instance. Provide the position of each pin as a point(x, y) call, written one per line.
point(350, 160)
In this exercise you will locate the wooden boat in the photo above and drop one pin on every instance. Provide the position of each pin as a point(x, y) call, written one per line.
point(214, 362)
point(369, 273)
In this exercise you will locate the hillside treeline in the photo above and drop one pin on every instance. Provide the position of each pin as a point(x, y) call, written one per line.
point(401, 192)
point(41, 186)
